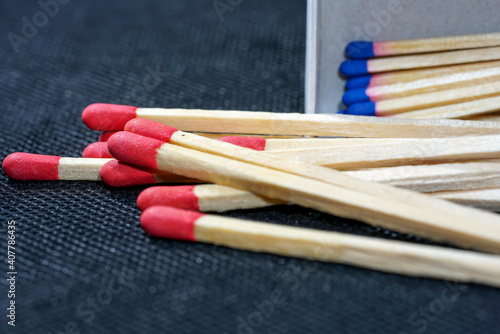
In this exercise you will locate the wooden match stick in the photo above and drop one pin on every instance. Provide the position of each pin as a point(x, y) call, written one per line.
point(493, 117)
point(111, 117)
point(364, 49)
point(428, 85)
point(360, 67)
point(377, 204)
point(221, 135)
point(423, 151)
point(459, 110)
point(421, 101)
point(439, 177)
point(373, 253)
point(355, 153)
point(389, 78)
point(27, 166)
point(265, 144)
point(486, 199)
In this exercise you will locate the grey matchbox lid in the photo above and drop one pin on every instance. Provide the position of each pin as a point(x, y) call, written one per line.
point(331, 24)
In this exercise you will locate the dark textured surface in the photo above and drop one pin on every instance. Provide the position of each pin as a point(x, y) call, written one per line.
point(85, 265)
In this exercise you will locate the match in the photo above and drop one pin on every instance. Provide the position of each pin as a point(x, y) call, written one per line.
point(27, 166)
point(31, 167)
point(380, 205)
point(264, 144)
point(352, 68)
point(438, 177)
point(459, 110)
point(493, 117)
point(202, 197)
point(366, 49)
point(452, 81)
point(486, 199)
point(373, 253)
point(420, 101)
point(389, 78)
point(388, 154)
point(110, 117)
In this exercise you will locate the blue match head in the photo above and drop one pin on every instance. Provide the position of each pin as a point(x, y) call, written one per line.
point(358, 82)
point(353, 68)
point(362, 109)
point(343, 112)
point(359, 50)
point(355, 96)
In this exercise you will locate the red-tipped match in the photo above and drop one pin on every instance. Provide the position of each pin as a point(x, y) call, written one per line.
point(181, 197)
point(255, 143)
point(118, 174)
point(105, 135)
point(152, 129)
point(27, 166)
point(108, 117)
point(134, 149)
point(168, 222)
point(97, 150)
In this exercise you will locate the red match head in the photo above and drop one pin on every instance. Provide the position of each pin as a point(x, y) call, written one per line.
point(118, 174)
point(134, 149)
point(148, 128)
point(168, 222)
point(27, 166)
point(182, 197)
point(108, 117)
point(97, 150)
point(255, 143)
point(105, 135)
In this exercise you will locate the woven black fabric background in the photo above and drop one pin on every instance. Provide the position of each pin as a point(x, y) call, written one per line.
point(85, 265)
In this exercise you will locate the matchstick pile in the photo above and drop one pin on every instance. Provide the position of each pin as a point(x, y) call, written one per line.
point(446, 77)
point(377, 175)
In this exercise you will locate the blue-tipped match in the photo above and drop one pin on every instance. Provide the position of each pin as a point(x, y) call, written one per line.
point(358, 82)
point(362, 109)
point(359, 50)
point(355, 96)
point(343, 112)
point(352, 68)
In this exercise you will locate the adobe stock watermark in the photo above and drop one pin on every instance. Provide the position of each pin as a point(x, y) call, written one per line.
point(31, 26)
point(381, 20)
point(421, 319)
point(222, 6)
point(151, 80)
